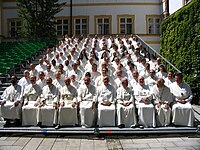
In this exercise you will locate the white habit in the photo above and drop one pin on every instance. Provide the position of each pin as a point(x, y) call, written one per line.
point(106, 114)
point(47, 113)
point(146, 112)
point(10, 95)
point(162, 95)
point(67, 114)
point(125, 114)
point(86, 97)
point(29, 110)
point(182, 114)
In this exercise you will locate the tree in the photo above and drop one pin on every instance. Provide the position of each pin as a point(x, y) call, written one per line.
point(38, 17)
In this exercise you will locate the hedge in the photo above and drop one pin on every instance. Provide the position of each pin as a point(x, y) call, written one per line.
point(180, 44)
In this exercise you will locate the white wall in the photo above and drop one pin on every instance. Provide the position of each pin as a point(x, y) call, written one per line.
point(174, 5)
point(140, 13)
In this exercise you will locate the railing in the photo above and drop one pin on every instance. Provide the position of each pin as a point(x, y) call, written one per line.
point(155, 53)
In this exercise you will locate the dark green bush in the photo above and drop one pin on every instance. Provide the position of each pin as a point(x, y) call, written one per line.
point(180, 44)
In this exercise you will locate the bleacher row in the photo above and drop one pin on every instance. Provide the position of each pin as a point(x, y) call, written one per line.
point(13, 53)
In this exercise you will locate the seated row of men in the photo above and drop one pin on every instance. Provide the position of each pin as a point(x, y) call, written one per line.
point(102, 105)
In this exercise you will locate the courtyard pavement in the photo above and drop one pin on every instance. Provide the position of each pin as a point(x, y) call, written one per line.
point(23, 141)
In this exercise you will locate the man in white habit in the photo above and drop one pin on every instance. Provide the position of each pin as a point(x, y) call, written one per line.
point(182, 112)
point(50, 98)
point(48, 72)
point(169, 79)
point(146, 110)
point(68, 105)
point(125, 106)
point(106, 94)
point(33, 71)
point(10, 103)
point(87, 103)
point(31, 97)
point(41, 81)
point(163, 101)
point(151, 80)
point(25, 80)
point(58, 81)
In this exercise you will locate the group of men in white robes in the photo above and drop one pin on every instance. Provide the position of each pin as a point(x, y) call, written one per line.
point(86, 82)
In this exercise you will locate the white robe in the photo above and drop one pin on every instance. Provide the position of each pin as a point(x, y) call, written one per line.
point(59, 83)
point(47, 113)
point(10, 95)
point(106, 114)
point(146, 112)
point(168, 82)
point(182, 114)
point(40, 67)
point(49, 74)
point(161, 95)
point(86, 96)
point(67, 114)
point(161, 75)
point(151, 82)
point(34, 73)
point(125, 114)
point(77, 72)
point(23, 82)
point(41, 83)
point(29, 111)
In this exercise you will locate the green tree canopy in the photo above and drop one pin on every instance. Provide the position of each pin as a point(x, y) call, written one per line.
point(38, 17)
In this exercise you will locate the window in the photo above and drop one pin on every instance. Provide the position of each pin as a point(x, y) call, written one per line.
point(103, 25)
point(81, 26)
point(15, 26)
point(153, 24)
point(62, 27)
point(125, 24)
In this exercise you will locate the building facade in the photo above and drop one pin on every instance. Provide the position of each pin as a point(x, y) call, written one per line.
point(102, 17)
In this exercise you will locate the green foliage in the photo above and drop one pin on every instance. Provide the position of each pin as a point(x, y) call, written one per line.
point(180, 43)
point(38, 17)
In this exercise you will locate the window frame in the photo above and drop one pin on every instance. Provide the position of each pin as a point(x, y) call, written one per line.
point(81, 24)
point(154, 17)
point(62, 25)
point(15, 20)
point(109, 17)
point(126, 23)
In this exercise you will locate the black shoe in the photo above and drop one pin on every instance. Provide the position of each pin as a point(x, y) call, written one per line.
point(121, 126)
point(7, 124)
point(39, 124)
point(57, 127)
point(17, 123)
point(76, 125)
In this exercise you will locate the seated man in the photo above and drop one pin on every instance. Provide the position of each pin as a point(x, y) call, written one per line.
point(163, 101)
point(31, 95)
point(11, 101)
point(106, 94)
point(49, 99)
point(182, 112)
point(86, 102)
point(68, 105)
point(146, 111)
point(125, 106)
